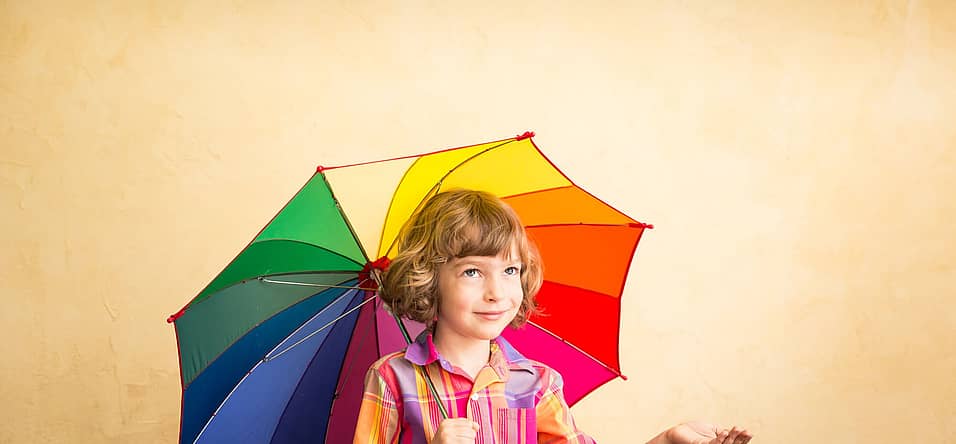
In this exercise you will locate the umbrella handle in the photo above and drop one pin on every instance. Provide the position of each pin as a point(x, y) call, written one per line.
point(431, 388)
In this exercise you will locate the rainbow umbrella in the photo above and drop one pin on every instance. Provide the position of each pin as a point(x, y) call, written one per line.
point(276, 347)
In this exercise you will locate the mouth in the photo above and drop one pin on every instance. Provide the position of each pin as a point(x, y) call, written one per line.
point(491, 315)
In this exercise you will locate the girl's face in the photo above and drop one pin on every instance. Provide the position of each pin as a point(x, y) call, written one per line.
point(480, 296)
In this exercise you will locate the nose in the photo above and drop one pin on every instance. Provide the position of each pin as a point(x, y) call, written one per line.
point(492, 289)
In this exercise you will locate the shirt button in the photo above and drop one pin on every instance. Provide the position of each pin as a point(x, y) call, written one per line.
point(474, 397)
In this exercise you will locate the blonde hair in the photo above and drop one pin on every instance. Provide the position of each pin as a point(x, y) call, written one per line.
point(455, 224)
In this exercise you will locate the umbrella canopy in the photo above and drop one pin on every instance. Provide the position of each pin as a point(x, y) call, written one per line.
point(276, 347)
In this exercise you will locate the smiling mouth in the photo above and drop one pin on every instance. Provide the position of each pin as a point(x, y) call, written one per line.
point(491, 315)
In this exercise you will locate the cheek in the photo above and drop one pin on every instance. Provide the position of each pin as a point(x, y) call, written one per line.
point(453, 301)
point(517, 294)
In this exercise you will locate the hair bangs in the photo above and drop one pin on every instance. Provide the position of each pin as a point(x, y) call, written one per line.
point(492, 233)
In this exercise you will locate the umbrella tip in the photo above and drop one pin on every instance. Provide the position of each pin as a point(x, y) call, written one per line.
point(319, 169)
point(641, 225)
point(526, 135)
point(173, 317)
point(623, 377)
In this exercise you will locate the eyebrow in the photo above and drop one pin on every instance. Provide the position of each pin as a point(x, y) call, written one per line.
point(473, 260)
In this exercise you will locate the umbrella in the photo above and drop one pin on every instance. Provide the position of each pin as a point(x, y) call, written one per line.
point(275, 348)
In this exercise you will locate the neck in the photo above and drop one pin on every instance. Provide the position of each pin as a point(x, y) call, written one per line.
point(469, 355)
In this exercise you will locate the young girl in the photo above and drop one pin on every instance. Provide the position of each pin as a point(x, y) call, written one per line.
point(466, 269)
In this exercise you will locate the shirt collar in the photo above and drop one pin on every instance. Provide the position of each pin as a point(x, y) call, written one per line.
point(503, 355)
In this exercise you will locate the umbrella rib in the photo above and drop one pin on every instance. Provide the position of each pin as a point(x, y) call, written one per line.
point(435, 187)
point(539, 191)
point(409, 156)
point(210, 295)
point(575, 186)
point(290, 273)
point(344, 374)
point(578, 349)
point(327, 325)
point(348, 224)
point(587, 224)
point(307, 284)
point(312, 361)
point(262, 361)
point(200, 371)
point(244, 280)
point(320, 247)
point(263, 229)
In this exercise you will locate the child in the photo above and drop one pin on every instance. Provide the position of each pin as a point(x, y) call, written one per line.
point(466, 269)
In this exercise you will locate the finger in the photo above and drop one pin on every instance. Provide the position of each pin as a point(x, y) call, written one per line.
point(457, 426)
point(730, 435)
point(464, 434)
point(467, 430)
point(722, 437)
point(457, 432)
point(734, 436)
point(469, 434)
point(744, 437)
point(463, 423)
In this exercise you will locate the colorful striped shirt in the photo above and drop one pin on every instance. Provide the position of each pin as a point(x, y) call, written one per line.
point(513, 399)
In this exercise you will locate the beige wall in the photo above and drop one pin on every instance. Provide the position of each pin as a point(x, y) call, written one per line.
point(797, 158)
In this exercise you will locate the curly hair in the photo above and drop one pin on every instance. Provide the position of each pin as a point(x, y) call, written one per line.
point(456, 224)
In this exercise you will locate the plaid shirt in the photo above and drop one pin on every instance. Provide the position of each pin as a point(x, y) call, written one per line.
point(513, 399)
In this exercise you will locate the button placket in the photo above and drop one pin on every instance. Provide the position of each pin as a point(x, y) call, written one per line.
point(471, 406)
point(486, 377)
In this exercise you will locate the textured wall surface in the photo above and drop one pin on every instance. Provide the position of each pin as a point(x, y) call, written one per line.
point(798, 159)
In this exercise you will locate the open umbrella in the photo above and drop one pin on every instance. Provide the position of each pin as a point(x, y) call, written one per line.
point(275, 348)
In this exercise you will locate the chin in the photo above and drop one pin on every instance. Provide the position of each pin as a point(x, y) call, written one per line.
point(490, 334)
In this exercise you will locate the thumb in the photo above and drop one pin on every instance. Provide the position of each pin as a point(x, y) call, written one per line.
point(474, 425)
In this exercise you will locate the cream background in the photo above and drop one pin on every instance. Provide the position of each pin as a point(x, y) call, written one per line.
point(796, 157)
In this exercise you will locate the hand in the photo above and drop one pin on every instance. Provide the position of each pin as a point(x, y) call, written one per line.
point(703, 433)
point(456, 431)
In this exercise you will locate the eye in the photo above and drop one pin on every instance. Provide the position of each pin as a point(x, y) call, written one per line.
point(471, 272)
point(511, 271)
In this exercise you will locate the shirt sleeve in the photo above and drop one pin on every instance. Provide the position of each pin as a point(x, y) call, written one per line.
point(554, 422)
point(378, 416)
